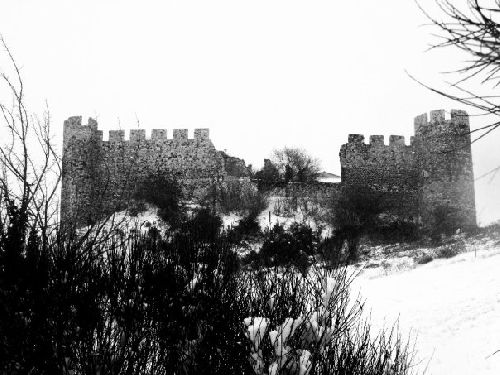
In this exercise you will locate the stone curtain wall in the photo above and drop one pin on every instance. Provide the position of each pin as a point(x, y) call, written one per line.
point(433, 171)
point(99, 176)
point(389, 169)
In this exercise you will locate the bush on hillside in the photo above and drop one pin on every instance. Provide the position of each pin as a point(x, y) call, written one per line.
point(203, 226)
point(287, 247)
point(451, 249)
point(423, 259)
point(331, 251)
point(342, 246)
point(299, 325)
point(164, 192)
point(305, 237)
point(140, 305)
point(248, 228)
point(241, 196)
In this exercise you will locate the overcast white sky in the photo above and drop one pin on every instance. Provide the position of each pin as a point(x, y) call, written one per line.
point(260, 74)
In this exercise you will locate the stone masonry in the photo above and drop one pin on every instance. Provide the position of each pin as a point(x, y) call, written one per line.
point(433, 172)
point(99, 176)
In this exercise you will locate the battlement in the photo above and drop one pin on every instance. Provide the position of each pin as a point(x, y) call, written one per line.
point(435, 123)
point(434, 170)
point(356, 138)
point(180, 134)
point(459, 120)
point(74, 123)
point(396, 140)
point(73, 128)
point(139, 135)
point(377, 140)
point(116, 135)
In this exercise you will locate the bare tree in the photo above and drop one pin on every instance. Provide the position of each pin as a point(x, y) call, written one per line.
point(473, 27)
point(30, 166)
point(296, 165)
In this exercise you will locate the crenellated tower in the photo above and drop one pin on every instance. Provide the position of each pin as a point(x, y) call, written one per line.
point(444, 160)
point(81, 158)
point(433, 173)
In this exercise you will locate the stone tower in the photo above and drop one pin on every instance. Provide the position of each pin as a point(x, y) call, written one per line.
point(428, 181)
point(80, 169)
point(444, 161)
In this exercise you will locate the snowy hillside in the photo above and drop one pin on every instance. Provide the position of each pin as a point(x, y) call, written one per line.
point(269, 217)
point(451, 306)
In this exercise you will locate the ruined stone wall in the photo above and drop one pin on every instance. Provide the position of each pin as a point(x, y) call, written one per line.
point(235, 167)
point(99, 176)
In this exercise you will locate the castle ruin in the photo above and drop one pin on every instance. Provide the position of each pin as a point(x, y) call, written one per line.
point(433, 172)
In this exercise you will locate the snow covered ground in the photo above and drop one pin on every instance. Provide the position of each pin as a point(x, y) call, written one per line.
point(268, 218)
point(451, 306)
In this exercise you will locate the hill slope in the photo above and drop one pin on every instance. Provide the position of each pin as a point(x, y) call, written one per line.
point(452, 306)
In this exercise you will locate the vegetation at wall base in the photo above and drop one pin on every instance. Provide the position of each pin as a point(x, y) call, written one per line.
point(240, 196)
point(281, 247)
point(248, 229)
point(147, 304)
point(164, 192)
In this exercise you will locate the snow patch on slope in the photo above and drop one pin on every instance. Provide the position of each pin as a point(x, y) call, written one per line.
point(451, 306)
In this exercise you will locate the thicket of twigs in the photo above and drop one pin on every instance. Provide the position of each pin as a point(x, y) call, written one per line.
point(147, 305)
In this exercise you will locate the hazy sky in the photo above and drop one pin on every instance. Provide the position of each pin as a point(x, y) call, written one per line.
point(259, 74)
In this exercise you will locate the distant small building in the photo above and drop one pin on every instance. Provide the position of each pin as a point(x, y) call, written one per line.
point(327, 177)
